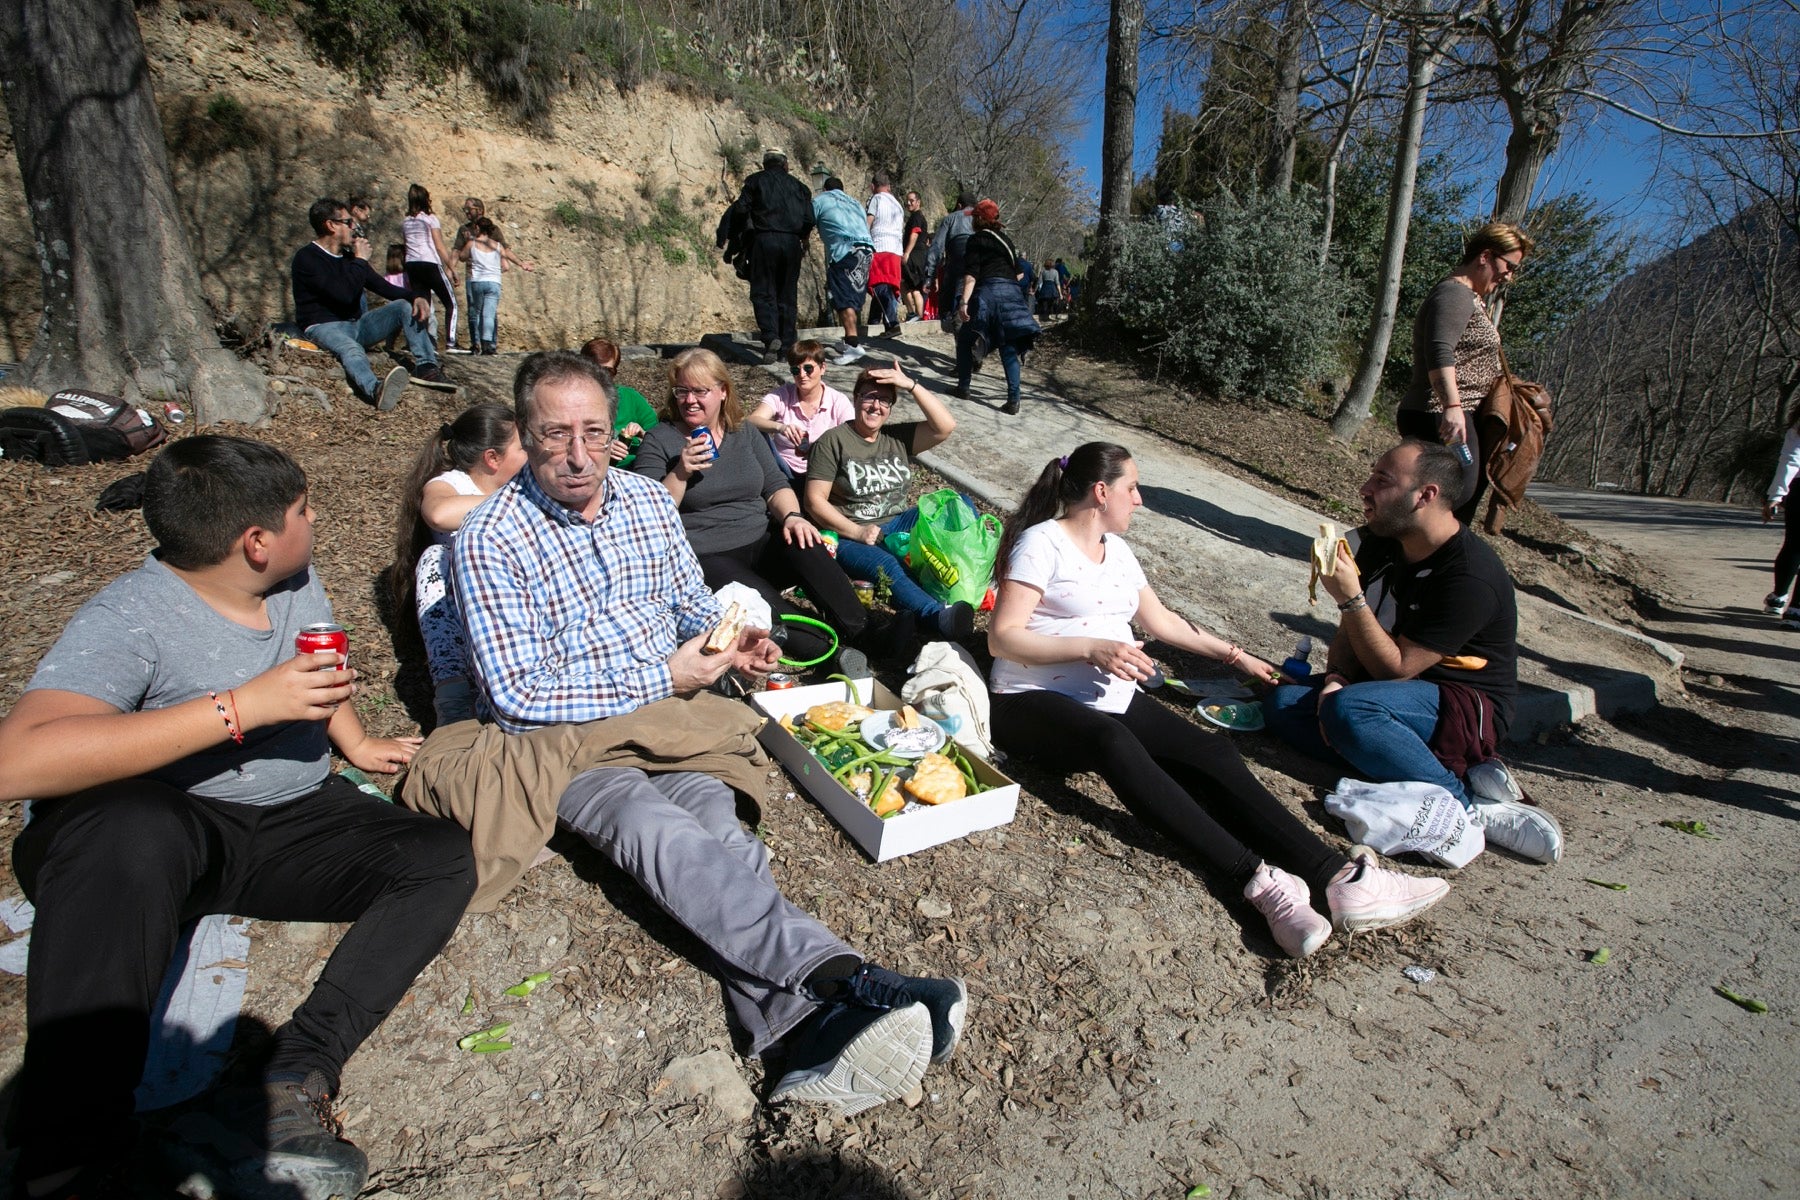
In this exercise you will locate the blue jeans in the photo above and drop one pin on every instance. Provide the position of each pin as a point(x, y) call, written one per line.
point(347, 339)
point(484, 306)
point(863, 561)
point(1380, 730)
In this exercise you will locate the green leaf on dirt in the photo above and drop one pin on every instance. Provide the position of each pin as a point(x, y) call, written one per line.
point(489, 1047)
point(1696, 828)
point(528, 985)
point(1601, 957)
point(468, 1004)
point(1744, 1002)
point(1617, 887)
point(1199, 1189)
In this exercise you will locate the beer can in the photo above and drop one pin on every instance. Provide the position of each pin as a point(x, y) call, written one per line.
point(780, 681)
point(711, 443)
point(318, 639)
point(830, 538)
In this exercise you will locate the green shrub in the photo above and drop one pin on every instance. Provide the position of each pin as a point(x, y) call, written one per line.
point(1235, 299)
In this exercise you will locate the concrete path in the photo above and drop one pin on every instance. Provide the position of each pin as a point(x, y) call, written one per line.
point(1232, 556)
point(1715, 561)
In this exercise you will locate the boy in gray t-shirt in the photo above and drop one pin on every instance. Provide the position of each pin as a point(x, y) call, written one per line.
point(175, 750)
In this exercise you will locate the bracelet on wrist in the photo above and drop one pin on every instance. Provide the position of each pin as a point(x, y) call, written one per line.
point(1232, 656)
point(790, 516)
point(1355, 603)
point(231, 726)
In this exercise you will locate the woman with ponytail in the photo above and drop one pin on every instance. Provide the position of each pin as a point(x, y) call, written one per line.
point(1066, 670)
point(463, 464)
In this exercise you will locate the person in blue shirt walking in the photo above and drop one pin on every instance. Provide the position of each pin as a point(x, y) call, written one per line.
point(844, 228)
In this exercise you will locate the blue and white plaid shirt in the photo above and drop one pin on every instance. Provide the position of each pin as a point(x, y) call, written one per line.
point(569, 621)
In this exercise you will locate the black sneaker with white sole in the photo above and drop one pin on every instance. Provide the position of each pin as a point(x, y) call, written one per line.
point(277, 1141)
point(947, 1000)
point(853, 1057)
point(432, 376)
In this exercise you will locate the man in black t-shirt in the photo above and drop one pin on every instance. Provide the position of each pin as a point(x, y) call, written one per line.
point(1422, 675)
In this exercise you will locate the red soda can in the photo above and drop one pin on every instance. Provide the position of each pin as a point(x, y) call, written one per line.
point(318, 639)
point(779, 681)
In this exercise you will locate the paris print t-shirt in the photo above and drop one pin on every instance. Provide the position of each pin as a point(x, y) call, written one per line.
point(1082, 599)
point(868, 479)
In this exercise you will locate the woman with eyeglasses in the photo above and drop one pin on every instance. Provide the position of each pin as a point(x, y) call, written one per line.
point(738, 508)
point(857, 483)
point(797, 414)
point(1456, 352)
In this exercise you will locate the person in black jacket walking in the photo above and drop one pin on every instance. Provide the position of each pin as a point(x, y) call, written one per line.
point(328, 289)
point(779, 211)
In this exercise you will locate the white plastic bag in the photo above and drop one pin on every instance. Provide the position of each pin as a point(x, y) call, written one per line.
point(1393, 818)
point(756, 609)
point(946, 686)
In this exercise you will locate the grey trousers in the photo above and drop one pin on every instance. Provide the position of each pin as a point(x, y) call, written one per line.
point(678, 835)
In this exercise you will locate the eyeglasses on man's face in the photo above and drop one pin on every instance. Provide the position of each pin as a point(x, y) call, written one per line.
point(558, 441)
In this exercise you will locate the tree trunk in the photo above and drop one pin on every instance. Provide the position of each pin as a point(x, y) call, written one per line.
point(1421, 65)
point(1284, 126)
point(123, 309)
point(1117, 142)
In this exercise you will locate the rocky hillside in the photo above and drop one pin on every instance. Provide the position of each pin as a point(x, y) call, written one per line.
point(614, 202)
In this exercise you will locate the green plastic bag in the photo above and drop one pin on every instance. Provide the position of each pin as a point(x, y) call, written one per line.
point(953, 548)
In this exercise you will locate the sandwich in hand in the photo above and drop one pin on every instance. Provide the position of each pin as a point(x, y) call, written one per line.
point(1324, 557)
point(725, 634)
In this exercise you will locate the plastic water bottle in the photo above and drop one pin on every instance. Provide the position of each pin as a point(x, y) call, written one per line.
point(1296, 665)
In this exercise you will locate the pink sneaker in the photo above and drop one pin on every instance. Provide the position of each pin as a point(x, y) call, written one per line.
point(1286, 903)
point(1365, 896)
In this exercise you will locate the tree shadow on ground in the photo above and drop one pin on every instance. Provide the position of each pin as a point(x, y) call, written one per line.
point(1690, 734)
point(1252, 532)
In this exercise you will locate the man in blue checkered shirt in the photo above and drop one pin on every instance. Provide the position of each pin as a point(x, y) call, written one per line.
point(583, 600)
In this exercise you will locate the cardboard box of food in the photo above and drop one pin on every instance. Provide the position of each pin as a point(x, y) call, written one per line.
point(916, 829)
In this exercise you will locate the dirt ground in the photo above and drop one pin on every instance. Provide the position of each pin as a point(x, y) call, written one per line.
point(1134, 1032)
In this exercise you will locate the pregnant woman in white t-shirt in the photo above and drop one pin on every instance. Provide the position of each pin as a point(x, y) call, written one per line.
point(1066, 670)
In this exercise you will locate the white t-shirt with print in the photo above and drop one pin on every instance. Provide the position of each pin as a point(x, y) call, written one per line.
point(889, 225)
point(1082, 598)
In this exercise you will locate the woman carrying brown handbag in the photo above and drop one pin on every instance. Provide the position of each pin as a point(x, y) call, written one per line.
point(1456, 350)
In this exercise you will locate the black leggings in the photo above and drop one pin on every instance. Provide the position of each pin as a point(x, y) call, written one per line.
point(769, 564)
point(1787, 559)
point(1423, 425)
point(1187, 784)
point(427, 278)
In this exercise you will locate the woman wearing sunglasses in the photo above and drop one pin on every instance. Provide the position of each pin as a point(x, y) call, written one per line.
point(797, 414)
point(740, 512)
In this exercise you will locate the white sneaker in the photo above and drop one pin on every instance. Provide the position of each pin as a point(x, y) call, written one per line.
point(1774, 603)
point(1286, 903)
point(851, 354)
point(1527, 831)
point(1492, 781)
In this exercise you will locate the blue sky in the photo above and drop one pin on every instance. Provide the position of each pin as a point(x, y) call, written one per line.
point(1606, 155)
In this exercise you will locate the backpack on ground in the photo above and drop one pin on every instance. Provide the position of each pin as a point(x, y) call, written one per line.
point(112, 427)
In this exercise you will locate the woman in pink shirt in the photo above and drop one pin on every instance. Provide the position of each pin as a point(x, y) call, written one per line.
point(795, 414)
